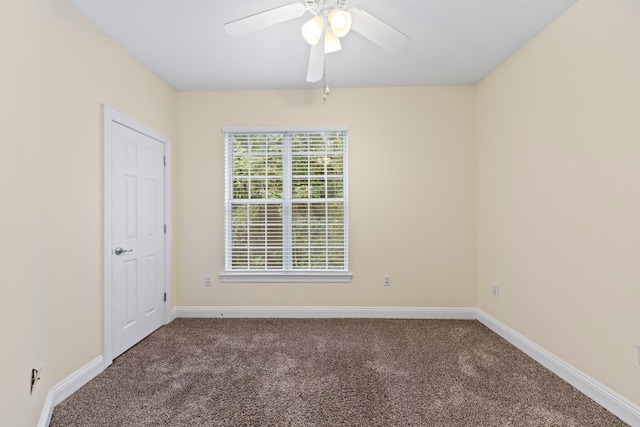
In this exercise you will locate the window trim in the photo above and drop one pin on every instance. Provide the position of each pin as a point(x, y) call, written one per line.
point(285, 276)
point(266, 129)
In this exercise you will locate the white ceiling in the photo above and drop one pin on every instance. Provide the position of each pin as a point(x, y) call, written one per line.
point(454, 42)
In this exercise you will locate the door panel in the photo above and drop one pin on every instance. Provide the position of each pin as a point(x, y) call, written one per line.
point(138, 228)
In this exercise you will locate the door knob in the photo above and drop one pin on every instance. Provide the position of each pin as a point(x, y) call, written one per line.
point(120, 251)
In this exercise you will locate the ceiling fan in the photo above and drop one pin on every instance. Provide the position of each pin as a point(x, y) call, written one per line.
point(331, 19)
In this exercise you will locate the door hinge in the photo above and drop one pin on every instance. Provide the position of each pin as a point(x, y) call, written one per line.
point(165, 229)
point(165, 160)
point(165, 297)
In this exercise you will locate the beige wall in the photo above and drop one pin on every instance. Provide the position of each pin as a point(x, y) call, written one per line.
point(558, 191)
point(56, 71)
point(411, 194)
point(25, 277)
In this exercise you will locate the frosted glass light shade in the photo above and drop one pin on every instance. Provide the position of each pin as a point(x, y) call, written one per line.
point(340, 21)
point(331, 42)
point(312, 30)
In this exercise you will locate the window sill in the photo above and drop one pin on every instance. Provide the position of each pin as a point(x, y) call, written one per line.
point(285, 277)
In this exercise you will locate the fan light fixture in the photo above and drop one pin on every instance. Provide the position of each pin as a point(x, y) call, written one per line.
point(340, 21)
point(331, 42)
point(339, 24)
point(312, 30)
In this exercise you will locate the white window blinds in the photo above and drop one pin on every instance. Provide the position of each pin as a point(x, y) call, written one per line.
point(286, 201)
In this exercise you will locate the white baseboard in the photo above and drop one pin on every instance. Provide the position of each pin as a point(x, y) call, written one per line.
point(47, 411)
point(68, 386)
point(173, 315)
point(327, 312)
point(624, 409)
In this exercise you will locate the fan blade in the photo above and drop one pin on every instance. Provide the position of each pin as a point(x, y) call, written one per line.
point(316, 63)
point(378, 31)
point(264, 19)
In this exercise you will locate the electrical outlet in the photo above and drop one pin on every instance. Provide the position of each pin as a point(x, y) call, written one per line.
point(35, 377)
point(387, 280)
point(207, 280)
point(495, 290)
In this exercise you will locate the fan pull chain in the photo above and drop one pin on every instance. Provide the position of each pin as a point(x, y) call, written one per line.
point(326, 77)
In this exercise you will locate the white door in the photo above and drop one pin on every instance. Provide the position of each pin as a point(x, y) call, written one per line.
point(137, 237)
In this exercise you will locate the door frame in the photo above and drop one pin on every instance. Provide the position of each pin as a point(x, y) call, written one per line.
point(112, 116)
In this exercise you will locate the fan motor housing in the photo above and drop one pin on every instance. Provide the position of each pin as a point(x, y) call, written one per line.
point(315, 6)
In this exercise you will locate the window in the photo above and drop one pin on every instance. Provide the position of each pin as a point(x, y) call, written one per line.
point(286, 205)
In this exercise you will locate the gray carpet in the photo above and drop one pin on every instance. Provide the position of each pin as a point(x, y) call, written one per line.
point(327, 372)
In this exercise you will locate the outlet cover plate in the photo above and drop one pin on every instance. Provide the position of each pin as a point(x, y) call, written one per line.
point(495, 289)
